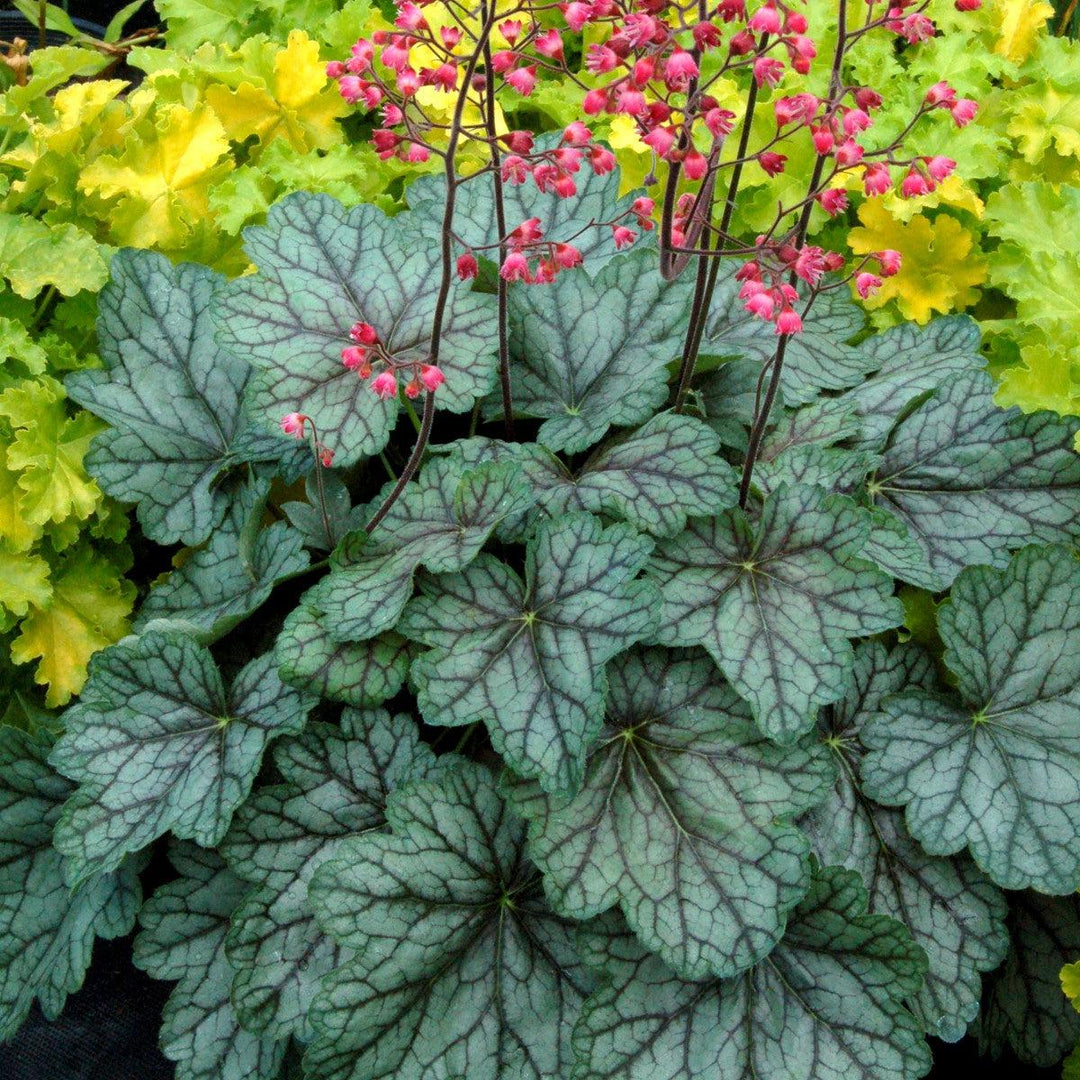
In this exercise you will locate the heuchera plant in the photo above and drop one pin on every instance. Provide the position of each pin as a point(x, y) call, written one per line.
point(599, 748)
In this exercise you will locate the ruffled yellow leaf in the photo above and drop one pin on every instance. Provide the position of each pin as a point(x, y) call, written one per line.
point(299, 104)
point(24, 581)
point(1018, 23)
point(162, 177)
point(939, 271)
point(18, 533)
point(1070, 983)
point(88, 610)
point(47, 451)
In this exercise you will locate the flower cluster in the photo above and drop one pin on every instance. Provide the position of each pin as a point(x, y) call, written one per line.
point(370, 359)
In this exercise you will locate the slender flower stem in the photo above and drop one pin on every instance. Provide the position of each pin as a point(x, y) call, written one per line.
point(761, 420)
point(706, 282)
point(447, 254)
point(500, 225)
point(411, 465)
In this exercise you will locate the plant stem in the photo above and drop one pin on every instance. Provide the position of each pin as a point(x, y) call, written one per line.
point(411, 465)
point(761, 420)
point(447, 254)
point(500, 225)
point(706, 280)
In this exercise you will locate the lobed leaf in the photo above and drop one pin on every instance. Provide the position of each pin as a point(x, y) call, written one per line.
point(337, 780)
point(184, 926)
point(172, 438)
point(459, 969)
point(953, 911)
point(775, 601)
point(157, 745)
point(995, 768)
point(683, 818)
point(323, 268)
point(47, 930)
point(826, 1003)
point(527, 658)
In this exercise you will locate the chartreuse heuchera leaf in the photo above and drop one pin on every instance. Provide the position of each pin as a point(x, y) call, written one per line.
point(157, 744)
point(1025, 1009)
point(774, 601)
point(337, 780)
point(526, 657)
point(591, 352)
point(826, 1004)
point(184, 927)
point(459, 967)
point(683, 818)
point(953, 912)
point(996, 766)
point(321, 269)
point(441, 521)
point(46, 929)
point(172, 397)
point(221, 584)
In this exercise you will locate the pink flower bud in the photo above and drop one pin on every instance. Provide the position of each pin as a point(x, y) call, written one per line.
point(680, 68)
point(855, 120)
point(706, 36)
point(941, 94)
point(730, 10)
point(416, 152)
point(577, 14)
point(967, 5)
point(518, 142)
point(546, 270)
point(451, 36)
point(602, 160)
point(788, 322)
point(867, 284)
point(823, 140)
point(867, 99)
point(565, 187)
point(384, 386)
point(514, 268)
point(335, 69)
point(630, 102)
point(809, 264)
point(410, 17)
point(889, 261)
point(523, 80)
point(643, 207)
point(876, 179)
point(760, 304)
point(639, 28)
point(939, 167)
point(766, 20)
point(549, 44)
point(767, 71)
point(384, 141)
point(694, 165)
point(600, 59)
point(432, 377)
point(660, 140)
point(963, 111)
point(326, 457)
point(445, 77)
point(412, 388)
point(576, 134)
point(467, 267)
point(568, 158)
point(643, 72)
point(772, 163)
point(742, 43)
point(351, 88)
point(915, 184)
point(408, 82)
point(848, 153)
point(833, 201)
point(623, 236)
point(720, 122)
point(293, 424)
point(796, 22)
point(396, 55)
point(514, 170)
point(363, 333)
point(917, 28)
point(392, 115)
point(595, 101)
point(510, 29)
point(567, 256)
